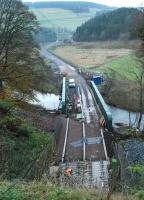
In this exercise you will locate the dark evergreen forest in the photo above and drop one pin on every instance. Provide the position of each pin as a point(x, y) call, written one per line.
point(117, 24)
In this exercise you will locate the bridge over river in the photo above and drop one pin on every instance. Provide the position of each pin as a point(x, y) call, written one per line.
point(81, 146)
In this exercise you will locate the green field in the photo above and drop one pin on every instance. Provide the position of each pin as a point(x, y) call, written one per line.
point(121, 68)
point(60, 18)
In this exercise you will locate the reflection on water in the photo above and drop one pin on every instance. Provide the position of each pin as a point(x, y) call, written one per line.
point(122, 116)
point(47, 101)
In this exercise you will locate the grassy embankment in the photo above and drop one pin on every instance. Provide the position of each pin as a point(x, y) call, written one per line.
point(116, 60)
point(42, 190)
point(25, 149)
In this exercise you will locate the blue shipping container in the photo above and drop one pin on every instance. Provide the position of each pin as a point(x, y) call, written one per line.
point(97, 80)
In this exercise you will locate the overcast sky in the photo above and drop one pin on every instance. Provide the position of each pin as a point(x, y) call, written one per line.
point(117, 3)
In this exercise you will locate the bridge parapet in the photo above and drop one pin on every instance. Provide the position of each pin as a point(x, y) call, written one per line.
point(102, 106)
point(64, 95)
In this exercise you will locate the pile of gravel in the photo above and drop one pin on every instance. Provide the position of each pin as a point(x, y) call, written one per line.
point(134, 150)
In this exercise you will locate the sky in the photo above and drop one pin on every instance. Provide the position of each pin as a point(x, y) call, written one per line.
point(117, 3)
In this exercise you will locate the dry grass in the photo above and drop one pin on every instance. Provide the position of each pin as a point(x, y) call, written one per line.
point(91, 55)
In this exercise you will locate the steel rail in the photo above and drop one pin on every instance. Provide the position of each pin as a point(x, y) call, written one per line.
point(65, 141)
point(83, 127)
point(84, 146)
point(104, 145)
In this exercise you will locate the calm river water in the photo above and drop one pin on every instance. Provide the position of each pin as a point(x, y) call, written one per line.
point(122, 116)
point(47, 101)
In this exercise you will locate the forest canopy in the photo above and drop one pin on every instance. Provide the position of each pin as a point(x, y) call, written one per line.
point(109, 26)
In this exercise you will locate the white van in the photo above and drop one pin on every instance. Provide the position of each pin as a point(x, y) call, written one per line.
point(72, 83)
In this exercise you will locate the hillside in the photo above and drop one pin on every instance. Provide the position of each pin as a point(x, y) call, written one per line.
point(114, 25)
point(76, 7)
point(65, 17)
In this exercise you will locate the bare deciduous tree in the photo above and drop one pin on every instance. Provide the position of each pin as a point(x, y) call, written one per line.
point(139, 72)
point(139, 77)
point(20, 65)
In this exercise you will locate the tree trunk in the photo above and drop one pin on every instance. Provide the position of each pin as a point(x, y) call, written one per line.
point(139, 120)
point(1, 84)
point(130, 124)
point(140, 106)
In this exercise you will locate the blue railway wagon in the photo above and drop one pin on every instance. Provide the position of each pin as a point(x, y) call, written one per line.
point(103, 106)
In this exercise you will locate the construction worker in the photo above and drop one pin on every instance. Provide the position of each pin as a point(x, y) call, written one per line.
point(67, 99)
point(75, 99)
point(68, 171)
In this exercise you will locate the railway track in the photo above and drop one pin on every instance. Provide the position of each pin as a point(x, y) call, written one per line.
point(88, 141)
point(71, 144)
point(94, 171)
point(85, 171)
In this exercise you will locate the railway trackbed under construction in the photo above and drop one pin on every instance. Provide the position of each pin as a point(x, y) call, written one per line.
point(83, 149)
point(81, 144)
point(84, 156)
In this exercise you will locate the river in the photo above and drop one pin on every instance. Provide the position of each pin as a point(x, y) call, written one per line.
point(47, 101)
point(122, 116)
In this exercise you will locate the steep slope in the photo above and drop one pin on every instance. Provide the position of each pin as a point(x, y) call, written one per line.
point(113, 25)
point(72, 5)
point(65, 17)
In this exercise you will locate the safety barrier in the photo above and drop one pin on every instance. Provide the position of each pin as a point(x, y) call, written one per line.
point(64, 95)
point(106, 118)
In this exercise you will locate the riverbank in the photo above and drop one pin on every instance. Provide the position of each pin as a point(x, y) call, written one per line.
point(121, 94)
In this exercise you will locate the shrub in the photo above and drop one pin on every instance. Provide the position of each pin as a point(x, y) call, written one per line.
point(6, 106)
point(26, 129)
point(140, 195)
point(11, 194)
point(28, 147)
